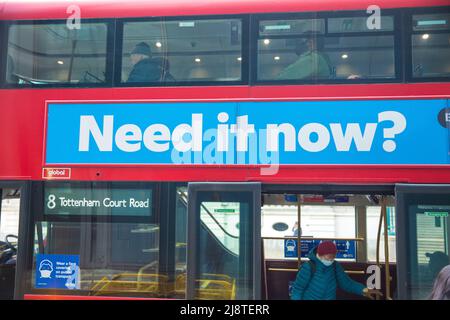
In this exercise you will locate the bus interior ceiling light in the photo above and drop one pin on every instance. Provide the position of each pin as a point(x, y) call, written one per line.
point(278, 27)
point(431, 23)
point(186, 24)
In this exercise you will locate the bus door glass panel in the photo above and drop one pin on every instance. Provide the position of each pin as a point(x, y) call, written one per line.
point(9, 230)
point(222, 250)
point(423, 236)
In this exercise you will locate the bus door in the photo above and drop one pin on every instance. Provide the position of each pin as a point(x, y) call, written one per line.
point(422, 237)
point(296, 221)
point(224, 249)
point(9, 230)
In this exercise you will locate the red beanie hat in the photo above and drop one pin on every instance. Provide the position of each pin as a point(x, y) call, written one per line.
point(326, 247)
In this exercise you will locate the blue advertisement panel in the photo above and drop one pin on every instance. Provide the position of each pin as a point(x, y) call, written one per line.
point(308, 132)
point(57, 271)
point(346, 249)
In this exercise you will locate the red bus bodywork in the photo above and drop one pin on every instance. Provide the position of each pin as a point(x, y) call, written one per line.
point(54, 9)
point(23, 111)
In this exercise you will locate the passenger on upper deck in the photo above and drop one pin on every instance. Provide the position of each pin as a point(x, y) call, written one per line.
point(144, 69)
point(311, 62)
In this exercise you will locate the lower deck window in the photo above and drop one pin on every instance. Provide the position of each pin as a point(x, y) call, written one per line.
point(104, 239)
point(110, 257)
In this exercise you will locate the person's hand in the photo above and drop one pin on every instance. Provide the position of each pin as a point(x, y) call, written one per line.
point(372, 293)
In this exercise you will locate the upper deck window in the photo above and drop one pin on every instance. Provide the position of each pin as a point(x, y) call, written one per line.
point(51, 53)
point(430, 45)
point(177, 51)
point(325, 49)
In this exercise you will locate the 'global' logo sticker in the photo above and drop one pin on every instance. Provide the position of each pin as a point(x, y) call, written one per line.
point(56, 173)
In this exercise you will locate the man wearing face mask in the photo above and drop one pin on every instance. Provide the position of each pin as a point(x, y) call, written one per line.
point(319, 278)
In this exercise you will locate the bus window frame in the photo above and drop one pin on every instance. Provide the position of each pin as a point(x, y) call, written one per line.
point(396, 33)
point(23, 233)
point(244, 18)
point(35, 202)
point(409, 32)
point(3, 54)
point(403, 193)
point(402, 34)
point(109, 65)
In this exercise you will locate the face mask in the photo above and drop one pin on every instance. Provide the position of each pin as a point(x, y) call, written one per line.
point(327, 263)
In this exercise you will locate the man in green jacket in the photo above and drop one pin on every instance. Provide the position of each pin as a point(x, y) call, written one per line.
point(319, 279)
point(311, 63)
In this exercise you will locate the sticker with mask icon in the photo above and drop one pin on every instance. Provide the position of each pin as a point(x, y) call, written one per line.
point(57, 271)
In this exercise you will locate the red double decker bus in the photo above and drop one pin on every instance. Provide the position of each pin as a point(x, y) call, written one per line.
point(201, 150)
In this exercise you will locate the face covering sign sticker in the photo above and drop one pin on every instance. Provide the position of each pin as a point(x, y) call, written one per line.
point(57, 271)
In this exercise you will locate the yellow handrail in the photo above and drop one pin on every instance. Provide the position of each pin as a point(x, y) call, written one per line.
point(383, 218)
point(386, 250)
point(296, 270)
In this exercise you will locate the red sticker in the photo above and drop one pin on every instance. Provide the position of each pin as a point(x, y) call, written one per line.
point(56, 173)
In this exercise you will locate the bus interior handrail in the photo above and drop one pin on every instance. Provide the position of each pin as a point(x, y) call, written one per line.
point(183, 198)
point(209, 213)
point(311, 238)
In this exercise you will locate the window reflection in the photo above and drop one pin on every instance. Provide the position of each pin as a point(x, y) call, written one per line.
point(304, 50)
point(115, 258)
point(181, 51)
point(52, 54)
point(430, 55)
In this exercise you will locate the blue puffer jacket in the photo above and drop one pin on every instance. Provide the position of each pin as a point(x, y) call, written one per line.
point(322, 285)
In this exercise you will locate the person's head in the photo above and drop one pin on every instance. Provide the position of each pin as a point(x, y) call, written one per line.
point(141, 51)
point(326, 252)
point(310, 41)
point(301, 46)
point(438, 260)
point(354, 76)
point(441, 287)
